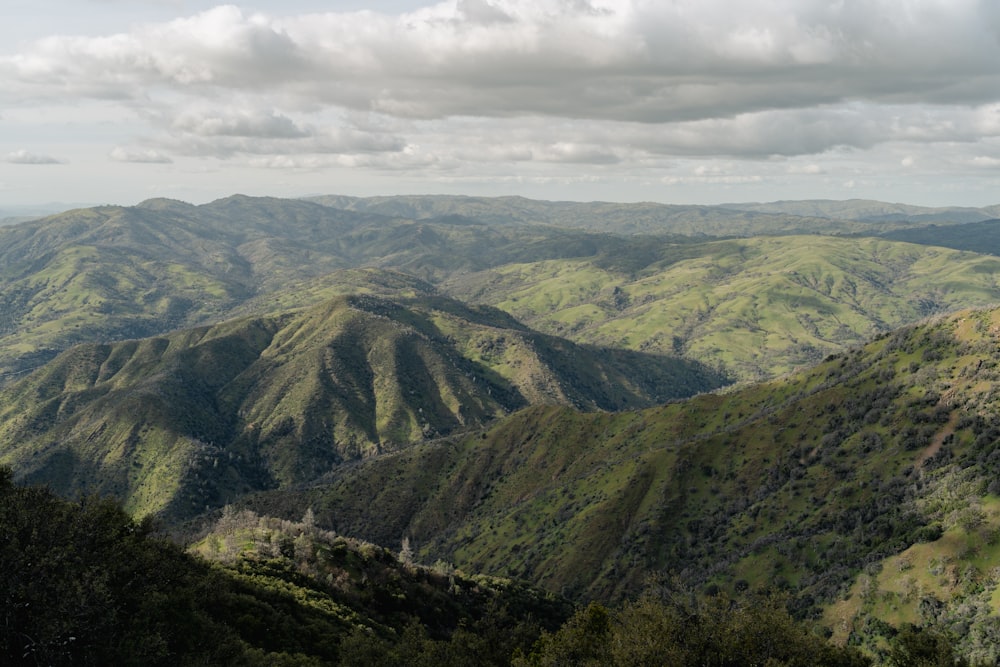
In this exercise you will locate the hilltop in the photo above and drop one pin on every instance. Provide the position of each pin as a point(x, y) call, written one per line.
point(750, 307)
point(199, 417)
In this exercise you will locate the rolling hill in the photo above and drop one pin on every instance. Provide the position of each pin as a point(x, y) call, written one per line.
point(876, 212)
point(644, 218)
point(754, 307)
point(111, 273)
point(295, 358)
point(866, 487)
point(198, 417)
point(828, 217)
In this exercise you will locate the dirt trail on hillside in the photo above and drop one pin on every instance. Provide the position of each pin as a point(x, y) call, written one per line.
point(935, 445)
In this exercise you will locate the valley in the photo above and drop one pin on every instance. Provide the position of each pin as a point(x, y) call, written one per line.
point(594, 400)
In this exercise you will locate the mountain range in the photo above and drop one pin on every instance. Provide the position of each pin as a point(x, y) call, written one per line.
point(176, 423)
point(599, 399)
point(866, 487)
point(750, 307)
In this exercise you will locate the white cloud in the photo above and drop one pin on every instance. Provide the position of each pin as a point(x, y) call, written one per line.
point(986, 162)
point(643, 61)
point(139, 155)
point(26, 157)
point(811, 169)
point(570, 89)
point(239, 124)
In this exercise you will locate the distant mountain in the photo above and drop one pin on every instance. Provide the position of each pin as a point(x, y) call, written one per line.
point(865, 487)
point(12, 214)
point(868, 210)
point(111, 273)
point(608, 217)
point(982, 237)
point(756, 307)
point(199, 417)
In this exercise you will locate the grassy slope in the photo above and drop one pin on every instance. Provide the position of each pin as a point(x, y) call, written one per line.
point(757, 307)
point(110, 273)
point(805, 483)
point(199, 417)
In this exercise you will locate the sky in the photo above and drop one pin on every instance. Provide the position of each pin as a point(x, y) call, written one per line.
point(675, 101)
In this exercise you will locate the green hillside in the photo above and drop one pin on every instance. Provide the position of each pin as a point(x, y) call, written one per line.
point(85, 584)
point(111, 273)
point(982, 237)
point(645, 217)
point(865, 487)
point(196, 418)
point(755, 307)
point(288, 358)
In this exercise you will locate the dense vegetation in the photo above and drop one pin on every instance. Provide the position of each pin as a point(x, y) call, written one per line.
point(982, 236)
point(304, 370)
point(865, 488)
point(194, 419)
point(82, 583)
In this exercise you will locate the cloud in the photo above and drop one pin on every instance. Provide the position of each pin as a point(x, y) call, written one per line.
point(556, 85)
point(239, 124)
point(25, 157)
point(811, 169)
point(226, 136)
point(145, 156)
point(986, 162)
point(637, 60)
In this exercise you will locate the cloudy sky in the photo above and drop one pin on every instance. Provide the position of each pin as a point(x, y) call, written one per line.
point(686, 101)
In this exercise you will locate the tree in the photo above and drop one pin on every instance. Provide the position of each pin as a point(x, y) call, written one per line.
point(921, 647)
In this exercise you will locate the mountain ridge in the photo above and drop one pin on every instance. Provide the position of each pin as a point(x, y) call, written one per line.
point(815, 483)
point(280, 400)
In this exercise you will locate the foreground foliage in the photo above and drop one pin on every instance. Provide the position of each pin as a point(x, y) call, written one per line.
point(84, 584)
point(81, 583)
point(716, 632)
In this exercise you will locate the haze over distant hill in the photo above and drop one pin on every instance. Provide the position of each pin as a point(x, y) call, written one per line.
point(872, 211)
point(750, 219)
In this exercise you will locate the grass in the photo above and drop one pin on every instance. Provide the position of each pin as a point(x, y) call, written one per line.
point(757, 307)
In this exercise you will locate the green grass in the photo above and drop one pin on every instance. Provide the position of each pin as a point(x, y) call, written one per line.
point(757, 307)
